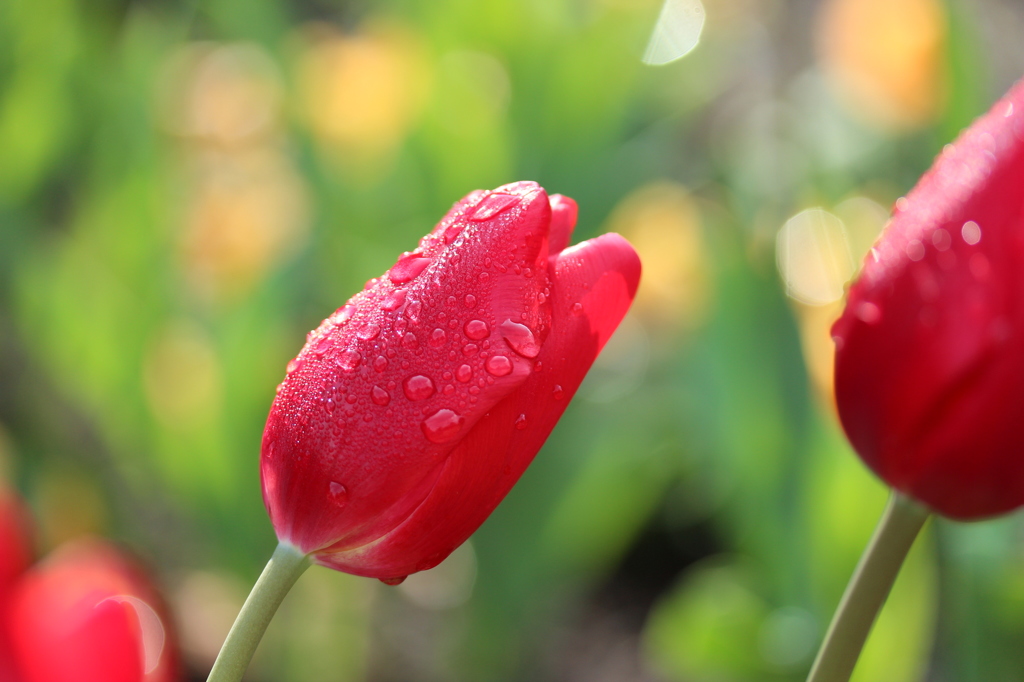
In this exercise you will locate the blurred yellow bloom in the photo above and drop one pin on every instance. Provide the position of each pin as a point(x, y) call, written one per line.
point(221, 94)
point(182, 377)
point(247, 212)
point(662, 222)
point(361, 93)
point(885, 58)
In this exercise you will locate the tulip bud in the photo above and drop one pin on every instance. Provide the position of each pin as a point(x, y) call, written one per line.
point(87, 614)
point(930, 348)
point(414, 408)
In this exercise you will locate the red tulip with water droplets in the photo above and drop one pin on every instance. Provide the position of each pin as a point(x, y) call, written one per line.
point(930, 349)
point(14, 559)
point(87, 614)
point(481, 336)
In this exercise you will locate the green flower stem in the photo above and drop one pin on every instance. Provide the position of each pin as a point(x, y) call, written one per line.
point(283, 569)
point(868, 589)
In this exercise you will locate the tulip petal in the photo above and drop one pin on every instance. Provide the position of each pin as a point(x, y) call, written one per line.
point(563, 219)
point(928, 368)
point(593, 285)
point(386, 387)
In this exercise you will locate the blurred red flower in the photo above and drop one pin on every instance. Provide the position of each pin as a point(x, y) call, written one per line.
point(85, 614)
point(413, 409)
point(930, 349)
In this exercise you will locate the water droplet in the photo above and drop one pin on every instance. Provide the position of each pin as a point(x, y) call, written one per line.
point(470, 300)
point(322, 346)
point(941, 239)
point(498, 365)
point(915, 250)
point(520, 339)
point(483, 277)
point(464, 373)
point(869, 313)
point(418, 387)
point(520, 422)
point(408, 267)
point(410, 342)
point(452, 231)
point(380, 364)
point(437, 338)
point(293, 365)
point(351, 399)
point(469, 349)
point(557, 393)
point(348, 360)
point(448, 389)
point(338, 494)
point(343, 315)
point(394, 581)
point(477, 329)
point(971, 232)
point(368, 332)
point(413, 310)
point(577, 308)
point(379, 396)
point(393, 300)
point(442, 426)
point(492, 205)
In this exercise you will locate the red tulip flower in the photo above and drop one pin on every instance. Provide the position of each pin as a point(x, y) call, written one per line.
point(88, 615)
point(930, 349)
point(413, 409)
point(14, 559)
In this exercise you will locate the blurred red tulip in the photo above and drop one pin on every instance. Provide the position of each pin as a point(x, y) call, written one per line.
point(86, 614)
point(413, 409)
point(14, 559)
point(930, 349)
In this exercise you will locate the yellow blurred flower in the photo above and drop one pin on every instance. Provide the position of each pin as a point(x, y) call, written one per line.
point(246, 212)
point(182, 377)
point(663, 223)
point(360, 93)
point(221, 94)
point(885, 58)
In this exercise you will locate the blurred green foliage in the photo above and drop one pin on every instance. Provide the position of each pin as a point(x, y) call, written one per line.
point(187, 187)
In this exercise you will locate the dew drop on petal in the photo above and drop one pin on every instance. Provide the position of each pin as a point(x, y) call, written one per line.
point(557, 393)
point(418, 387)
point(380, 364)
point(470, 300)
point(343, 314)
point(410, 342)
point(520, 339)
point(408, 267)
point(413, 310)
point(293, 365)
point(521, 422)
point(869, 313)
point(348, 360)
point(442, 426)
point(437, 338)
point(971, 232)
point(498, 365)
point(492, 205)
point(338, 494)
point(577, 308)
point(380, 396)
point(469, 349)
point(393, 300)
point(464, 373)
point(394, 581)
point(369, 332)
point(477, 330)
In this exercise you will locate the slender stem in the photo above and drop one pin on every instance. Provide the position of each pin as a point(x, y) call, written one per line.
point(868, 589)
point(283, 569)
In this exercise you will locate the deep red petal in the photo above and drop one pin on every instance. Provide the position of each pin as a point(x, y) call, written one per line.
point(594, 284)
point(357, 434)
point(928, 363)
